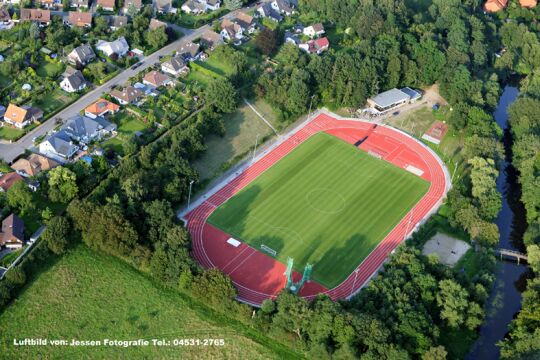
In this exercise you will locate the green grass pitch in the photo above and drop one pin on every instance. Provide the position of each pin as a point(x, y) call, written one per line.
point(326, 203)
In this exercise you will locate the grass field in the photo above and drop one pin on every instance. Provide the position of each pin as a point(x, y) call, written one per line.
point(326, 203)
point(9, 133)
point(90, 296)
point(241, 129)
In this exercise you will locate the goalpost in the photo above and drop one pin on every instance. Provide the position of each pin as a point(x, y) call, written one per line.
point(269, 250)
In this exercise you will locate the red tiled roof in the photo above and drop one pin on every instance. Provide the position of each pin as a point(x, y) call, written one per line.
point(7, 180)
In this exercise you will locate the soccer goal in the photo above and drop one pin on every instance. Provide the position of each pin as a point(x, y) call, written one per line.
point(375, 154)
point(269, 250)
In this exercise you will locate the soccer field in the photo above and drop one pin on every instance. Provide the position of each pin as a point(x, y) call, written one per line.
point(326, 203)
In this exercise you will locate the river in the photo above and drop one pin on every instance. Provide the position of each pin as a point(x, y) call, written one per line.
point(505, 299)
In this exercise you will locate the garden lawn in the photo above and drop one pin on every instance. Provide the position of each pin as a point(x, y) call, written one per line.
point(129, 124)
point(9, 133)
point(115, 144)
point(53, 101)
point(90, 296)
point(326, 203)
point(241, 129)
point(49, 69)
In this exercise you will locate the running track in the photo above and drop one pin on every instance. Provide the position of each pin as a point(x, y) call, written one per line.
point(258, 276)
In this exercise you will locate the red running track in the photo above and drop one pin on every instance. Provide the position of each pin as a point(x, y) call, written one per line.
point(259, 276)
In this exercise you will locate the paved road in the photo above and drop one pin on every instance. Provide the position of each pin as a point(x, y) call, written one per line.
point(9, 152)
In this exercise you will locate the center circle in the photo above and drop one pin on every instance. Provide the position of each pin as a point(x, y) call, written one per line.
point(325, 200)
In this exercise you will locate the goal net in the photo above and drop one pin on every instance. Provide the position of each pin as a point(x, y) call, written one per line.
point(375, 154)
point(268, 250)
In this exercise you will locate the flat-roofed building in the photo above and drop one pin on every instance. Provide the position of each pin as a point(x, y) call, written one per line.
point(393, 98)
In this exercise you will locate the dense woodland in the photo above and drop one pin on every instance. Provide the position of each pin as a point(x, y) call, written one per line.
point(416, 308)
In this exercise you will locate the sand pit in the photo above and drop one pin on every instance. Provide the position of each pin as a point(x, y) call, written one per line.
point(448, 249)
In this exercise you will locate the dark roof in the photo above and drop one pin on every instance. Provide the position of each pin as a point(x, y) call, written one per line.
point(84, 52)
point(117, 21)
point(176, 63)
point(76, 79)
point(12, 229)
point(83, 126)
point(61, 143)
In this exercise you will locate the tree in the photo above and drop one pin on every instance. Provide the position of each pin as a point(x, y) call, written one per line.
point(435, 353)
point(222, 94)
point(292, 313)
point(266, 41)
point(453, 303)
point(62, 184)
point(16, 276)
point(233, 4)
point(156, 38)
point(56, 234)
point(19, 197)
point(214, 287)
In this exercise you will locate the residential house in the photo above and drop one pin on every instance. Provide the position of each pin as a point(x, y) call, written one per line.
point(211, 39)
point(101, 108)
point(189, 52)
point(33, 165)
point(156, 24)
point(78, 3)
point(129, 95)
point(5, 18)
point(193, 7)
point(119, 47)
point(58, 146)
point(21, 117)
point(495, 5)
point(107, 5)
point(12, 234)
point(80, 19)
point(212, 5)
point(157, 79)
point(73, 81)
point(85, 129)
point(132, 4)
point(283, 7)
point(49, 4)
point(267, 11)
point(231, 31)
point(175, 66)
point(246, 22)
point(292, 38)
point(82, 55)
point(315, 30)
point(42, 17)
point(146, 90)
point(316, 46)
point(164, 6)
point(7, 181)
point(116, 22)
point(528, 3)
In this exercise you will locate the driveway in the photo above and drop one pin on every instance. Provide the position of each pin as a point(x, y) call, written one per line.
point(8, 152)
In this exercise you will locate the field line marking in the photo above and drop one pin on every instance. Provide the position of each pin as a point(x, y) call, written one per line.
point(260, 116)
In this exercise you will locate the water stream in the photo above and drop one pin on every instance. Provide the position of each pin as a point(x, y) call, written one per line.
point(505, 298)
